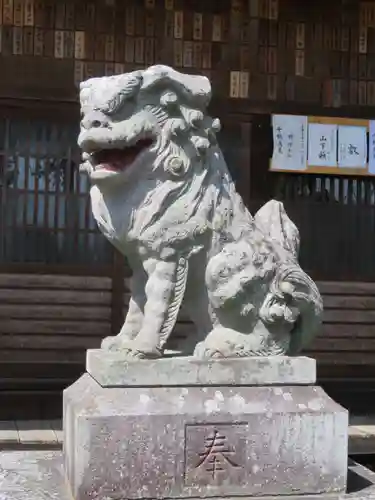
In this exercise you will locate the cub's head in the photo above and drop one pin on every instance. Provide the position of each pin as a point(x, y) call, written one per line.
point(147, 122)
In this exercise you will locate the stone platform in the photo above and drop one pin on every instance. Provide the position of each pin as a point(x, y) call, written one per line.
point(110, 369)
point(181, 428)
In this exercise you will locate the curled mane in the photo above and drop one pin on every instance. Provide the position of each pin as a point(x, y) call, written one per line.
point(189, 165)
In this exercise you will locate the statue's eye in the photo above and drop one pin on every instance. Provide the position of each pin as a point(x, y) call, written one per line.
point(96, 124)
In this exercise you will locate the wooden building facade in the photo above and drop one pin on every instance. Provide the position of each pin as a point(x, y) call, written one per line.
point(62, 287)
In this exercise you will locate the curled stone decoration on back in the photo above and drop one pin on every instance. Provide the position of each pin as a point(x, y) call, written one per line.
point(162, 194)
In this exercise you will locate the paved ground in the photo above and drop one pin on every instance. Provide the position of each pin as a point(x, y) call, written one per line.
point(47, 434)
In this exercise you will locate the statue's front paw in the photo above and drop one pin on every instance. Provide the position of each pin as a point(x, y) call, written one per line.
point(130, 348)
point(113, 343)
point(117, 343)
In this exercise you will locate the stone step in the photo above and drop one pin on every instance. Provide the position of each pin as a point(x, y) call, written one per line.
point(30, 434)
point(362, 434)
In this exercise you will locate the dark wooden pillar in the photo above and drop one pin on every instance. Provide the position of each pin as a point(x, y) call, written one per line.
point(244, 154)
point(262, 180)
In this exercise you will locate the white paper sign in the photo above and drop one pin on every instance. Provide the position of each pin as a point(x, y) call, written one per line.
point(352, 146)
point(322, 149)
point(371, 148)
point(290, 142)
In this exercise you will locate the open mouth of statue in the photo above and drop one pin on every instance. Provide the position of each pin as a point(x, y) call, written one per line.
point(119, 159)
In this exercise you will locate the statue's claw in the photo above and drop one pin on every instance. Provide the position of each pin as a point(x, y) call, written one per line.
point(130, 348)
point(110, 343)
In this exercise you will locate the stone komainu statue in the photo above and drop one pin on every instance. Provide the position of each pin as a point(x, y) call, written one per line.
point(162, 194)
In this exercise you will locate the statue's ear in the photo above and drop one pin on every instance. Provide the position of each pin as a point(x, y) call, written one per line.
point(195, 88)
point(274, 222)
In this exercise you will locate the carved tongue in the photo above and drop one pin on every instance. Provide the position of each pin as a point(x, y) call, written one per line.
point(119, 159)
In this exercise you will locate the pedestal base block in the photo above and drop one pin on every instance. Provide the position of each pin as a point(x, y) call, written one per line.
point(110, 369)
point(202, 441)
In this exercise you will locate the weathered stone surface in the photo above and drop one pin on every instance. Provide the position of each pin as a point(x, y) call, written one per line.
point(35, 475)
point(172, 442)
point(113, 369)
point(162, 194)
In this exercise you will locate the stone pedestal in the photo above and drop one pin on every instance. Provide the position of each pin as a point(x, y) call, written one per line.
point(181, 428)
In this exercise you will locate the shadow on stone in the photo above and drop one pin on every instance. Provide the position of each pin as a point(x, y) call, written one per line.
point(359, 478)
